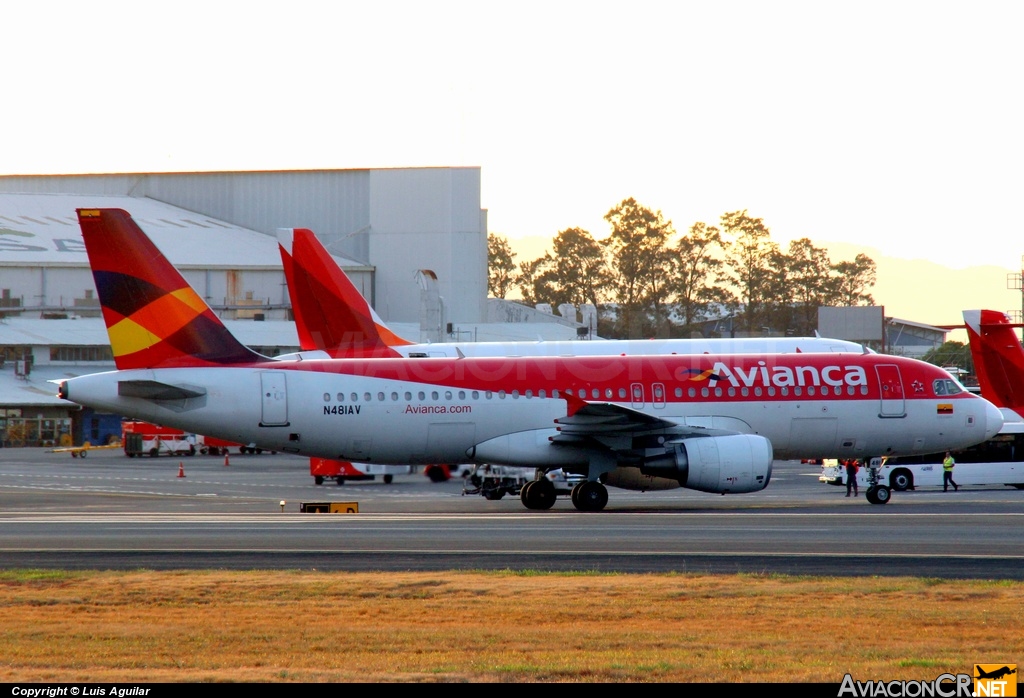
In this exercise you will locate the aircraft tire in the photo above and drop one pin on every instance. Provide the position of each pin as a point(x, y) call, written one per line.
point(524, 494)
point(879, 494)
point(541, 495)
point(590, 496)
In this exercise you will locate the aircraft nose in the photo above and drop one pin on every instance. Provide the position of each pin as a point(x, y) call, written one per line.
point(993, 420)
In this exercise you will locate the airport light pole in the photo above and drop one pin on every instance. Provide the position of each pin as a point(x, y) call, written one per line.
point(1015, 281)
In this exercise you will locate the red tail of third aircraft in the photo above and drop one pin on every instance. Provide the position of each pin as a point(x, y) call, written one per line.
point(998, 358)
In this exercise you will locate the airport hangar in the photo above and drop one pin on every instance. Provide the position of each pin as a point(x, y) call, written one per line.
point(413, 241)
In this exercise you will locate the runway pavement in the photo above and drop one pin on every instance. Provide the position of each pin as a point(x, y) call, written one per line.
point(108, 511)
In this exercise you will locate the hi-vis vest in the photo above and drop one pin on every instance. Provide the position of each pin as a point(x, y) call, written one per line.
point(948, 463)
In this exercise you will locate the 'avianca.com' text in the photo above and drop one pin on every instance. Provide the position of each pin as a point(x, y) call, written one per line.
point(438, 409)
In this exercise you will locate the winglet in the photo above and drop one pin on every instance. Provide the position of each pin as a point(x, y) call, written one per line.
point(154, 318)
point(330, 313)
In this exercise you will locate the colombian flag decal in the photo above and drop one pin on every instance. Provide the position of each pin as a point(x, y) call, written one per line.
point(944, 408)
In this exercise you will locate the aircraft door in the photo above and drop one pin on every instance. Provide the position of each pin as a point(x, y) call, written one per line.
point(658, 395)
point(637, 391)
point(275, 399)
point(891, 384)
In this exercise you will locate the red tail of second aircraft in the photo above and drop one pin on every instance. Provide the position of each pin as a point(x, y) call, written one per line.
point(330, 313)
point(153, 317)
point(998, 358)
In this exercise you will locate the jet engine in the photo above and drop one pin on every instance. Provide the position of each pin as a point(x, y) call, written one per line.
point(734, 463)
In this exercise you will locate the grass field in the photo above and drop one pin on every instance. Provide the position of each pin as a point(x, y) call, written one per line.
point(275, 626)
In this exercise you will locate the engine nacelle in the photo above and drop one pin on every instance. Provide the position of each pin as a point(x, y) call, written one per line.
point(527, 448)
point(734, 463)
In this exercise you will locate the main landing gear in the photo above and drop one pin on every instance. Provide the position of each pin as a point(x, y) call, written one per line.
point(586, 496)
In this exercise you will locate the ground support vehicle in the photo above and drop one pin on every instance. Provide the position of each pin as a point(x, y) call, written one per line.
point(145, 439)
point(83, 450)
point(341, 471)
point(495, 481)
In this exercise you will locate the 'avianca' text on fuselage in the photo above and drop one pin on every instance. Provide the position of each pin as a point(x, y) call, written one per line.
point(783, 376)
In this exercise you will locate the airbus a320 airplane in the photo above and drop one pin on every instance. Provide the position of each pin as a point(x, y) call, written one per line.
point(706, 422)
point(333, 317)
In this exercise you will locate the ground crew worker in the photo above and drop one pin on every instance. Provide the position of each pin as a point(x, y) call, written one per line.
point(947, 473)
point(851, 476)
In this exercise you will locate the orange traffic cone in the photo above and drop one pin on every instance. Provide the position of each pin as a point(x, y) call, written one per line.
point(181, 469)
point(226, 463)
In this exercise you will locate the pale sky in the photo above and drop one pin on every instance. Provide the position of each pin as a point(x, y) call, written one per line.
point(896, 125)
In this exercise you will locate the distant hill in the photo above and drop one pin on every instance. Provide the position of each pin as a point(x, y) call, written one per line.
point(922, 291)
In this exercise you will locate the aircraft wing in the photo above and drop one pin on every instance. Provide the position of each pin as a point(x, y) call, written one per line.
point(605, 419)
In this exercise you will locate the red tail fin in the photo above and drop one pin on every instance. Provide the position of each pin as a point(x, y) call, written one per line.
point(998, 358)
point(154, 318)
point(330, 314)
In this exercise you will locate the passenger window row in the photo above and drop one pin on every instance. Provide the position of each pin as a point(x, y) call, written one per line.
point(621, 394)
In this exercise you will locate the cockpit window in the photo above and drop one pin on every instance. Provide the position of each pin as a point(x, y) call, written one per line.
point(947, 386)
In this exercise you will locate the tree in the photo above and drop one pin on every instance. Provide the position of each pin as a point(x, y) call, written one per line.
point(580, 274)
point(809, 280)
point(501, 267)
point(852, 279)
point(536, 280)
point(751, 256)
point(640, 266)
point(699, 271)
point(951, 353)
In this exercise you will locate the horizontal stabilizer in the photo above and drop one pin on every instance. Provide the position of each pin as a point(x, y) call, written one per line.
point(155, 390)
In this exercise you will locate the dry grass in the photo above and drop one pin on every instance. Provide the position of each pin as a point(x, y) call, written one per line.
point(494, 627)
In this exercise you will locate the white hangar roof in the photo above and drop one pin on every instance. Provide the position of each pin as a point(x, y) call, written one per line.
point(42, 230)
point(84, 332)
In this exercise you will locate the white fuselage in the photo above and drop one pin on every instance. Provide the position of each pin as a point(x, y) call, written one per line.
point(389, 420)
